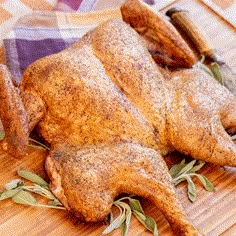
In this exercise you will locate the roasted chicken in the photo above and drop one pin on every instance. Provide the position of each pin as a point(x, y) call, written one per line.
point(110, 116)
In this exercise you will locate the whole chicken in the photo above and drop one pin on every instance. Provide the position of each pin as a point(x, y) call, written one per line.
point(110, 115)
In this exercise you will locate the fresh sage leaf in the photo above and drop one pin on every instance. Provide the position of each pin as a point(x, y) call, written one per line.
point(2, 135)
point(202, 66)
point(203, 57)
point(55, 202)
point(126, 210)
point(124, 205)
point(8, 193)
point(140, 216)
point(32, 177)
point(197, 167)
point(206, 183)
point(126, 224)
point(192, 192)
point(20, 192)
point(39, 145)
point(147, 221)
point(115, 224)
point(175, 169)
point(111, 217)
point(14, 184)
point(187, 167)
point(184, 172)
point(25, 198)
point(41, 190)
point(215, 68)
point(135, 205)
point(36, 146)
point(179, 180)
point(124, 229)
point(150, 224)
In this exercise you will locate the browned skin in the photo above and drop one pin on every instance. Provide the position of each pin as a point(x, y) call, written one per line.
point(162, 39)
point(109, 115)
point(13, 116)
point(98, 174)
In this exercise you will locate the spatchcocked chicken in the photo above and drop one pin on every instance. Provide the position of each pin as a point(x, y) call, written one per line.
point(110, 115)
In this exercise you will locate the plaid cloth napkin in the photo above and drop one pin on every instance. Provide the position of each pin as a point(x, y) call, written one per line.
point(42, 33)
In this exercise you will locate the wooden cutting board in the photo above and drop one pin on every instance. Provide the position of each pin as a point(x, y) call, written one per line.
point(212, 213)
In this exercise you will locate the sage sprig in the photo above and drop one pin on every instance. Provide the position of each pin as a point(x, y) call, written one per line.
point(124, 218)
point(36, 145)
point(185, 172)
point(20, 193)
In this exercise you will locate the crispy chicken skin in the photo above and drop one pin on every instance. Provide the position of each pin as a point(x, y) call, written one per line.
point(88, 180)
point(110, 115)
point(162, 39)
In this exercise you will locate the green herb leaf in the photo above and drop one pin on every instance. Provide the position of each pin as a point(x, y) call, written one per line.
point(202, 66)
point(140, 216)
point(182, 172)
point(32, 177)
point(187, 168)
point(8, 193)
point(197, 167)
point(2, 135)
point(124, 205)
point(175, 169)
point(123, 229)
point(25, 198)
point(55, 202)
point(126, 224)
point(150, 224)
point(123, 220)
point(14, 184)
point(39, 145)
point(206, 183)
point(115, 224)
point(215, 68)
point(41, 190)
point(111, 217)
point(179, 180)
point(202, 58)
point(147, 221)
point(135, 205)
point(192, 192)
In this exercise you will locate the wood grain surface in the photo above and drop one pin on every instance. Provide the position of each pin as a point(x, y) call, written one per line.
point(213, 214)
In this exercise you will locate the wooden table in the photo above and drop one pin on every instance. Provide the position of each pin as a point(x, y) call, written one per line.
point(213, 213)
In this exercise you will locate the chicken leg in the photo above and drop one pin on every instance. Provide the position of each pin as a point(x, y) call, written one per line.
point(88, 180)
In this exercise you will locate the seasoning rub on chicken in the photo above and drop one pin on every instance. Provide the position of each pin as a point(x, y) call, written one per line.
point(110, 115)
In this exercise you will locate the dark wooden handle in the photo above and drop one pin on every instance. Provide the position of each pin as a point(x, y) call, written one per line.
point(182, 20)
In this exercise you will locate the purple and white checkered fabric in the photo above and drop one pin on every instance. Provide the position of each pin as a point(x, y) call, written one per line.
point(43, 33)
